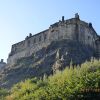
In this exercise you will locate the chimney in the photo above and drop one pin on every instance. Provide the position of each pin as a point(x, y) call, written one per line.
point(62, 18)
point(30, 34)
point(90, 25)
point(76, 16)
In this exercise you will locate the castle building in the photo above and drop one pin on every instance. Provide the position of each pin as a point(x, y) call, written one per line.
point(72, 29)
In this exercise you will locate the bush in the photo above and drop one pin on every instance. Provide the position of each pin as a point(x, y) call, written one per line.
point(76, 83)
point(3, 93)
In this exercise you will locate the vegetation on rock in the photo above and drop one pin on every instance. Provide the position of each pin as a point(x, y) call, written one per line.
point(78, 83)
point(3, 93)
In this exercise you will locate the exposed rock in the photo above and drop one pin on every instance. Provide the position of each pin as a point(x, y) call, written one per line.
point(54, 57)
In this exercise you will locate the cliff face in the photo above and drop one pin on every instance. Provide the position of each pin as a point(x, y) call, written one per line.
point(47, 60)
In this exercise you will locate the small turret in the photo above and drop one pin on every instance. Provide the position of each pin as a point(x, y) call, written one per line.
point(27, 37)
point(62, 18)
point(76, 16)
point(30, 34)
point(90, 25)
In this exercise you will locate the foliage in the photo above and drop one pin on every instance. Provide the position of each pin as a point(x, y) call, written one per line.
point(3, 93)
point(78, 83)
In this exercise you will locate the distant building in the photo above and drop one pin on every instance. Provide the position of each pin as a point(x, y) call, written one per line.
point(72, 29)
point(2, 64)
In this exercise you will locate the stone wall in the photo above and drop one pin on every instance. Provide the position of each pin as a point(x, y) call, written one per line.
point(72, 29)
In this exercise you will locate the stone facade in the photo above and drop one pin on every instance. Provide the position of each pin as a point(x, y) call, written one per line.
point(71, 29)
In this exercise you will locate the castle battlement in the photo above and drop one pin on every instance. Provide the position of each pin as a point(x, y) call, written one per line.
point(73, 29)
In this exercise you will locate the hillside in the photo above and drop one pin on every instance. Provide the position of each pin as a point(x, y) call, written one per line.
point(79, 83)
point(54, 57)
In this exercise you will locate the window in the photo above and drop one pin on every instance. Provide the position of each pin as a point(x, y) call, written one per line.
point(45, 36)
point(34, 40)
point(88, 37)
point(39, 38)
point(28, 42)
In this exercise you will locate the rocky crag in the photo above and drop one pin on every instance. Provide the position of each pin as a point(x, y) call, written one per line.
point(47, 61)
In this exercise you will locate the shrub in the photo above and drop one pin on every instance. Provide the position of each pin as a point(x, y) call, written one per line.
point(71, 84)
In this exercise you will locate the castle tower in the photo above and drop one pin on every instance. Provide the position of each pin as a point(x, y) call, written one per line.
point(76, 16)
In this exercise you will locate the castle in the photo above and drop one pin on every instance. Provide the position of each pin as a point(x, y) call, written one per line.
point(72, 29)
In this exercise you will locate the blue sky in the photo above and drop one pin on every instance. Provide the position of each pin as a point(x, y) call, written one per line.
point(18, 18)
